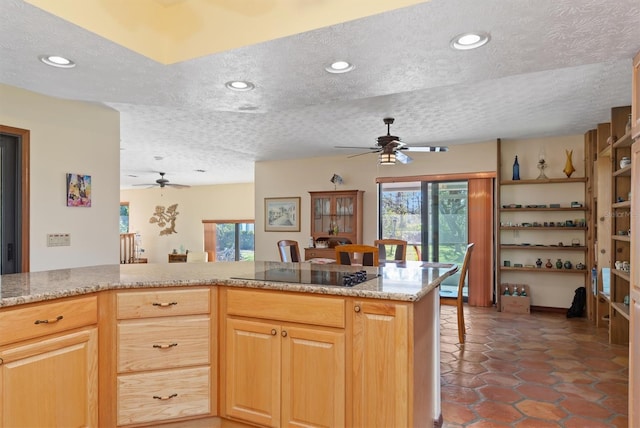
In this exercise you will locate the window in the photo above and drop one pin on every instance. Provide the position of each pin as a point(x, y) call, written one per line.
point(124, 217)
point(228, 240)
point(430, 216)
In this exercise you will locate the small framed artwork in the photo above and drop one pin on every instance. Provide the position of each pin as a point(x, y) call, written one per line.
point(282, 214)
point(78, 190)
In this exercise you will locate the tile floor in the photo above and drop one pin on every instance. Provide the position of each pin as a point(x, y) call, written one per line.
point(537, 370)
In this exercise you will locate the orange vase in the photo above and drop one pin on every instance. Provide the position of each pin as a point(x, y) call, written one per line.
point(568, 166)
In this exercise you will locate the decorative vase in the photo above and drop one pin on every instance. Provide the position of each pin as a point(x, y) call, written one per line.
point(568, 265)
point(568, 167)
point(539, 263)
point(516, 170)
point(549, 265)
point(559, 264)
point(627, 127)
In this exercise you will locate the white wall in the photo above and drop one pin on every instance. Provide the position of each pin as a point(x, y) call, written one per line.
point(297, 177)
point(195, 204)
point(68, 137)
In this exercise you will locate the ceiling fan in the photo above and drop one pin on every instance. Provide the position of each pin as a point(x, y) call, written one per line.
point(392, 149)
point(163, 182)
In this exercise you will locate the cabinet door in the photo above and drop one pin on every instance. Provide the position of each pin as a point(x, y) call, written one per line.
point(313, 377)
point(322, 213)
point(345, 214)
point(380, 365)
point(51, 383)
point(253, 371)
point(634, 328)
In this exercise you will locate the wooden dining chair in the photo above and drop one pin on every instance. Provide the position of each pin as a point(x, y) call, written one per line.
point(397, 246)
point(350, 254)
point(454, 297)
point(289, 251)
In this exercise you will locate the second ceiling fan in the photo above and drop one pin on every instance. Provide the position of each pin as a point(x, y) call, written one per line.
point(391, 147)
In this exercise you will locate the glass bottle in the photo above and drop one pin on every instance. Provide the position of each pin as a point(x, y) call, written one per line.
point(516, 169)
point(627, 127)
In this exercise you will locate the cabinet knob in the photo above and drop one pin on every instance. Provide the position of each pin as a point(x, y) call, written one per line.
point(356, 308)
point(273, 332)
point(284, 333)
point(601, 218)
point(603, 251)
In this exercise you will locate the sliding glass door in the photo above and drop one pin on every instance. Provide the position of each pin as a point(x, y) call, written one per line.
point(432, 216)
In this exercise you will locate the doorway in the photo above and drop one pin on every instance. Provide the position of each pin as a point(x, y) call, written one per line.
point(14, 200)
point(438, 215)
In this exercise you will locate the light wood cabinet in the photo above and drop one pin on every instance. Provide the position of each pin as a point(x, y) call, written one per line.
point(51, 379)
point(392, 386)
point(335, 214)
point(165, 365)
point(280, 374)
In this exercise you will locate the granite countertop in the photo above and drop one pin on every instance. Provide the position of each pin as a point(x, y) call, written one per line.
point(405, 281)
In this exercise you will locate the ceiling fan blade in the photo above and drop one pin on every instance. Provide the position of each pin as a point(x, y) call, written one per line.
point(425, 148)
point(356, 147)
point(177, 186)
point(365, 153)
point(402, 158)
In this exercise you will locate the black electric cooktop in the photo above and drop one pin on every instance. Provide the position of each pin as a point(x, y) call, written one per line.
point(311, 277)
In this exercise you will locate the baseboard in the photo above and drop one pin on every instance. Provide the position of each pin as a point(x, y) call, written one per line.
point(549, 309)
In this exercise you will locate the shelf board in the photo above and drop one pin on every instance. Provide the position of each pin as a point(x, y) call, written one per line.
point(622, 274)
point(545, 181)
point(623, 238)
point(624, 141)
point(540, 228)
point(605, 153)
point(543, 247)
point(621, 308)
point(544, 209)
point(605, 296)
point(542, 270)
point(623, 172)
point(623, 204)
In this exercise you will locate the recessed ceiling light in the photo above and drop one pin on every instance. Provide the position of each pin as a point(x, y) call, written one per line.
point(57, 61)
point(339, 67)
point(469, 41)
point(240, 85)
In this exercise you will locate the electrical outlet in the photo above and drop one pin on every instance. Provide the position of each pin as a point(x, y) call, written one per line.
point(58, 240)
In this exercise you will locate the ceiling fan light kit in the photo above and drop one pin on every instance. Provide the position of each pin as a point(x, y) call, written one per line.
point(163, 182)
point(387, 158)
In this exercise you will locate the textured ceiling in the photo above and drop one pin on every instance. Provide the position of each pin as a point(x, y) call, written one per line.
point(552, 67)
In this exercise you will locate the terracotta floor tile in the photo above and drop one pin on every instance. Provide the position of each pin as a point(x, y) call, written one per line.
point(580, 406)
point(541, 410)
point(542, 370)
point(498, 412)
point(539, 392)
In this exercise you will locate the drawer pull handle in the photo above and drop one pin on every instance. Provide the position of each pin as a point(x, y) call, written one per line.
point(51, 321)
point(170, 345)
point(165, 305)
point(168, 397)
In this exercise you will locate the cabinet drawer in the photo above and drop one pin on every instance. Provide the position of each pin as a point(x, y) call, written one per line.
point(180, 393)
point(47, 318)
point(305, 309)
point(163, 343)
point(160, 303)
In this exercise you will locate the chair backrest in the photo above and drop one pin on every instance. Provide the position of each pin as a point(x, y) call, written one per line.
point(348, 254)
point(399, 248)
point(197, 257)
point(464, 269)
point(127, 248)
point(289, 251)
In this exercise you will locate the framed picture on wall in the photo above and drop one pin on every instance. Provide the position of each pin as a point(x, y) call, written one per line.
point(78, 190)
point(282, 214)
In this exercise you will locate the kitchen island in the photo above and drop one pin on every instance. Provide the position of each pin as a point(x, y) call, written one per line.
point(266, 343)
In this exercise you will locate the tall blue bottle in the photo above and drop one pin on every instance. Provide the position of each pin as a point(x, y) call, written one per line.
point(516, 170)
